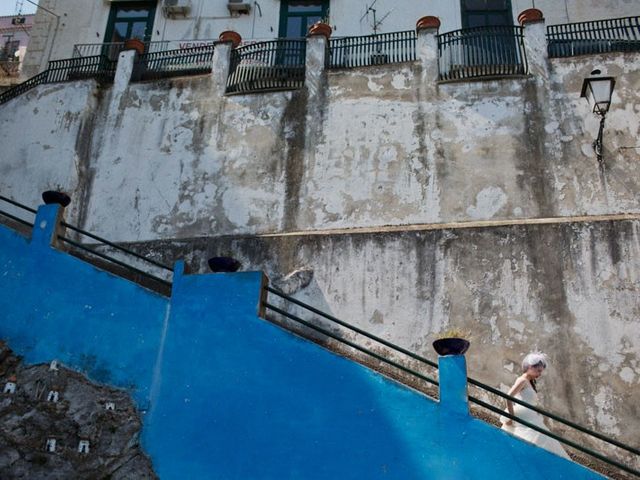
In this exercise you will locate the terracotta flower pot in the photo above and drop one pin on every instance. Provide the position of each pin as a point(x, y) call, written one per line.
point(134, 44)
point(320, 28)
point(530, 15)
point(451, 346)
point(223, 264)
point(52, 196)
point(231, 36)
point(428, 22)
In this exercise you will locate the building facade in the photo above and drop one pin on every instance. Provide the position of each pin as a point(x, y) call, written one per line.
point(15, 31)
point(73, 27)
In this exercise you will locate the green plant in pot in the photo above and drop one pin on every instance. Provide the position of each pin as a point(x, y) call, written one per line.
point(453, 341)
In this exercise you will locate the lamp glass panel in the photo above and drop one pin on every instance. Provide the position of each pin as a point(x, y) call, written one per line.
point(601, 90)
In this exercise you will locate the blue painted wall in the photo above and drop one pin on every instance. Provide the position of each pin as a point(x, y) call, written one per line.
point(55, 306)
point(236, 397)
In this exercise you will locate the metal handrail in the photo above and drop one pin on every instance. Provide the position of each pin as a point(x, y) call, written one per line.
point(267, 66)
point(99, 239)
point(180, 62)
point(98, 67)
point(17, 204)
point(367, 50)
point(13, 217)
point(595, 36)
point(555, 436)
point(480, 52)
point(349, 343)
point(351, 327)
point(471, 380)
point(113, 260)
point(117, 247)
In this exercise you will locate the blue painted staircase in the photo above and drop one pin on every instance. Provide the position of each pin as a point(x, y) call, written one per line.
point(228, 395)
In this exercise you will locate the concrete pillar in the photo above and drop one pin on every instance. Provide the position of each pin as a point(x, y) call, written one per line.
point(126, 62)
point(220, 66)
point(47, 225)
point(453, 384)
point(535, 42)
point(317, 49)
point(427, 48)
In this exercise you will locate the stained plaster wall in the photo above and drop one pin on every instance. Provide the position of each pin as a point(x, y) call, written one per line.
point(81, 23)
point(367, 147)
point(232, 396)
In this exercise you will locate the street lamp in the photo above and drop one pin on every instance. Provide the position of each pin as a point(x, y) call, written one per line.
point(597, 89)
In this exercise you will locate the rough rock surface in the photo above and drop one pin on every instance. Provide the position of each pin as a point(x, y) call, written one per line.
point(29, 418)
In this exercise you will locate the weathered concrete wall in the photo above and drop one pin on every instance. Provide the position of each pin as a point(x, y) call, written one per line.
point(48, 133)
point(368, 147)
point(570, 290)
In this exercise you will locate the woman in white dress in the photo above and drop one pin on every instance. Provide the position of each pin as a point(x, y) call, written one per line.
point(525, 389)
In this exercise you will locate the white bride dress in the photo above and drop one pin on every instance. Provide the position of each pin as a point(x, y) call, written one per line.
point(529, 395)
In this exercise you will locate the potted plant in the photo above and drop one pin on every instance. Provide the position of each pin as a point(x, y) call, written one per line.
point(56, 196)
point(453, 341)
point(321, 27)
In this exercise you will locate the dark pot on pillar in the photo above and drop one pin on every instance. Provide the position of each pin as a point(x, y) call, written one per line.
point(223, 264)
point(55, 197)
point(451, 346)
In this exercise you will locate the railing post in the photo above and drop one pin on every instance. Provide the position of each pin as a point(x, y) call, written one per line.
point(427, 48)
point(124, 69)
point(453, 384)
point(316, 56)
point(221, 65)
point(535, 42)
point(48, 225)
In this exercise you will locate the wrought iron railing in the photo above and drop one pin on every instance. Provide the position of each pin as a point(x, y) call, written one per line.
point(284, 305)
point(478, 52)
point(113, 49)
point(173, 63)
point(384, 48)
point(272, 65)
point(599, 36)
point(97, 67)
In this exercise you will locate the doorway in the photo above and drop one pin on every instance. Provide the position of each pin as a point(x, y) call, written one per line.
point(130, 20)
point(296, 16)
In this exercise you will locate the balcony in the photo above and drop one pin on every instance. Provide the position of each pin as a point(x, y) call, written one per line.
point(480, 52)
point(601, 36)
